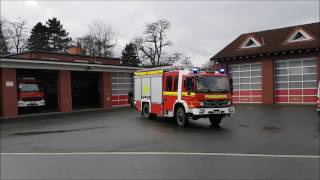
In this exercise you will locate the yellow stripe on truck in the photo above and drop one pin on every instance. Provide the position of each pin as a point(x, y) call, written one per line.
point(143, 73)
point(215, 96)
point(169, 93)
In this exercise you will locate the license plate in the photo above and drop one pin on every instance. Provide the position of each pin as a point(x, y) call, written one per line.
point(214, 112)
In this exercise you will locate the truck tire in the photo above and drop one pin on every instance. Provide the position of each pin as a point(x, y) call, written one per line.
point(181, 117)
point(146, 112)
point(215, 120)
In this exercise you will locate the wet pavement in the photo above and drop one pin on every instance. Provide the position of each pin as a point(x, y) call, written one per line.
point(86, 141)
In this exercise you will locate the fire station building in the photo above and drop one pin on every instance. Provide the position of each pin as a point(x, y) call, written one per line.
point(274, 66)
point(69, 81)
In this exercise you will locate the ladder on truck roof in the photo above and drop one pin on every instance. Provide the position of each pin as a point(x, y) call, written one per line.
point(162, 68)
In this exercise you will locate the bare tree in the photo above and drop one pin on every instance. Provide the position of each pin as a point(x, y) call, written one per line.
point(4, 50)
point(104, 37)
point(17, 34)
point(99, 41)
point(182, 60)
point(208, 65)
point(153, 41)
point(86, 44)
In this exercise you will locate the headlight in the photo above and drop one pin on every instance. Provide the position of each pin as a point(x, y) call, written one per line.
point(201, 103)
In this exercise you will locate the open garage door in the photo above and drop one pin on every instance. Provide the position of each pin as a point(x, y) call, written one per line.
point(246, 82)
point(85, 89)
point(296, 81)
point(36, 90)
point(122, 84)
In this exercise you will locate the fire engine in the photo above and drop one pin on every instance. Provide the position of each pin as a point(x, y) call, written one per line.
point(183, 94)
point(30, 93)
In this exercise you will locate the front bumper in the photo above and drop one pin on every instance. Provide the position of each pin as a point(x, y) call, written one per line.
point(209, 111)
point(31, 103)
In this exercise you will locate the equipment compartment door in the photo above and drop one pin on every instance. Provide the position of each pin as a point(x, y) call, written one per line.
point(156, 89)
point(146, 87)
point(137, 88)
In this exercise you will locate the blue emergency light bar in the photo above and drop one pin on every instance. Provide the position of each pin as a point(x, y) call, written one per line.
point(195, 70)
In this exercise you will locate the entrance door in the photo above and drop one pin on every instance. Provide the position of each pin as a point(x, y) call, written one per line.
point(170, 92)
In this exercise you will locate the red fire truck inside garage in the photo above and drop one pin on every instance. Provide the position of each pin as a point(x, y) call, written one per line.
point(30, 93)
point(183, 94)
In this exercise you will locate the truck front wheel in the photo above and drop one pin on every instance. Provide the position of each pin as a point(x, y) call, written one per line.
point(181, 117)
point(215, 120)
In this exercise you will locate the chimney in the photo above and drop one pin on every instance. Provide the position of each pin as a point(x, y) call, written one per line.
point(74, 50)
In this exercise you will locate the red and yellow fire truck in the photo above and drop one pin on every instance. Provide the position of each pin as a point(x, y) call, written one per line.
point(30, 93)
point(183, 94)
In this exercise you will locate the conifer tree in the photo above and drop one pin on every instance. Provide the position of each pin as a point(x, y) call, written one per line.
point(130, 55)
point(59, 39)
point(39, 38)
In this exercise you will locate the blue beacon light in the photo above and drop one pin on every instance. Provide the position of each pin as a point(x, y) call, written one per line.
point(221, 70)
point(195, 70)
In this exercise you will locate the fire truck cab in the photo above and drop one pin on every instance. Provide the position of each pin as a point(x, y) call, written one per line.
point(183, 94)
point(30, 93)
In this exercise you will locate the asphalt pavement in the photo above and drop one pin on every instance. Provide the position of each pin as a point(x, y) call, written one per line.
point(257, 142)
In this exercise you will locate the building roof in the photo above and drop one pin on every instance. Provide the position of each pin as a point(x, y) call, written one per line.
point(59, 53)
point(274, 40)
point(62, 65)
point(65, 57)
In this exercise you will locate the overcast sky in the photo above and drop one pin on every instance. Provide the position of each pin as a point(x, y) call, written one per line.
point(198, 29)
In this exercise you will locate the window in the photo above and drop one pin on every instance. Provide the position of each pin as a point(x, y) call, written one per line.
point(28, 87)
point(188, 84)
point(299, 35)
point(250, 42)
point(168, 83)
point(175, 84)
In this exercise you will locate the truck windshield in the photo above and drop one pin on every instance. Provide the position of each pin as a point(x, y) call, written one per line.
point(23, 87)
point(213, 84)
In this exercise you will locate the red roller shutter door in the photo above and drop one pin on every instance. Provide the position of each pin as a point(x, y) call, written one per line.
point(122, 83)
point(246, 82)
point(296, 81)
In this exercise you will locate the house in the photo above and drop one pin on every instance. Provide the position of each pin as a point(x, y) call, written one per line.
point(274, 66)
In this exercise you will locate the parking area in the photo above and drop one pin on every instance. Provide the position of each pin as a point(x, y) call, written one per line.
point(257, 142)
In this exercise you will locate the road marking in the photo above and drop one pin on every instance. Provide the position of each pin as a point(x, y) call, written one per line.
point(170, 153)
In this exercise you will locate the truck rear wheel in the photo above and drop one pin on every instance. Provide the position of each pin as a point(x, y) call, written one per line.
point(215, 120)
point(181, 117)
point(146, 112)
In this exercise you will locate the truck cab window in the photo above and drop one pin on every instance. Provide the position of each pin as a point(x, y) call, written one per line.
point(168, 83)
point(188, 84)
point(175, 84)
